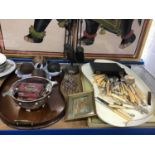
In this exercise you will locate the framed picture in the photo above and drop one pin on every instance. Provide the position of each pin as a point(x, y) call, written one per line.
point(19, 37)
point(80, 105)
point(100, 38)
point(95, 122)
point(114, 38)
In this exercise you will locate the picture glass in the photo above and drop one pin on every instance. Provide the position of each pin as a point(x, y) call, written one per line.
point(110, 38)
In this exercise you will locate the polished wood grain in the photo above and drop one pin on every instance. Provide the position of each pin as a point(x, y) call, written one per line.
point(2, 79)
point(15, 116)
point(51, 116)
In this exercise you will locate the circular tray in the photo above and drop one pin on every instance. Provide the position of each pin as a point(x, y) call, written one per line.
point(16, 117)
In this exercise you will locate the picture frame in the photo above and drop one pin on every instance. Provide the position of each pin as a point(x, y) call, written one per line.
point(108, 39)
point(14, 31)
point(80, 105)
point(95, 122)
point(105, 46)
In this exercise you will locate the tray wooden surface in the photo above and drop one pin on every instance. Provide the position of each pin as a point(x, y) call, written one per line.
point(50, 117)
point(17, 117)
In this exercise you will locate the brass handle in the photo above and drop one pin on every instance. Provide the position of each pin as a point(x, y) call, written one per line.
point(23, 123)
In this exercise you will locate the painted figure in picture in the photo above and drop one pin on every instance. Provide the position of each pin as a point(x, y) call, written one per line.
point(37, 31)
point(122, 28)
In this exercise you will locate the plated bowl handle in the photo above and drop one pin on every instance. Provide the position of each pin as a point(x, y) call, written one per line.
point(53, 83)
point(8, 93)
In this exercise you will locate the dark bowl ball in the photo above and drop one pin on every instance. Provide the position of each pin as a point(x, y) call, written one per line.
point(39, 72)
point(53, 67)
point(26, 68)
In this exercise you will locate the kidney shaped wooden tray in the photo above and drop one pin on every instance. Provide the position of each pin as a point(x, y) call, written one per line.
point(14, 116)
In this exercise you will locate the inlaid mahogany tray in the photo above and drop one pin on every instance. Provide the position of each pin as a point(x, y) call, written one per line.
point(16, 117)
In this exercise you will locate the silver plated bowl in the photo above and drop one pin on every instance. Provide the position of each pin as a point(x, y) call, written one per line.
point(31, 104)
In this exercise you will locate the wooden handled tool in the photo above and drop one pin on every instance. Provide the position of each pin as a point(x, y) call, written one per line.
point(117, 111)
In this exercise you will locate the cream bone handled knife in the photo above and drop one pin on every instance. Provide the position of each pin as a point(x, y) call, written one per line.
point(117, 110)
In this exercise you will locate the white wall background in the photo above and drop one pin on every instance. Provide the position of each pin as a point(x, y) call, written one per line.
point(149, 51)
